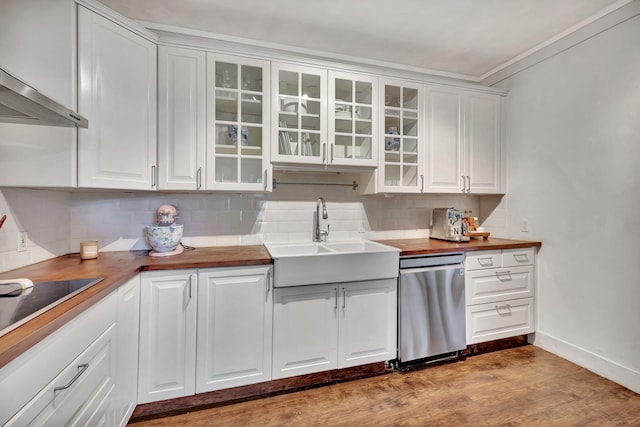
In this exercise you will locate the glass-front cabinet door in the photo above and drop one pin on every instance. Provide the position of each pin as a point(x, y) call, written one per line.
point(353, 119)
point(299, 105)
point(401, 168)
point(238, 157)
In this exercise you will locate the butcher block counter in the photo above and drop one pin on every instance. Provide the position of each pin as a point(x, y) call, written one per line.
point(115, 268)
point(425, 246)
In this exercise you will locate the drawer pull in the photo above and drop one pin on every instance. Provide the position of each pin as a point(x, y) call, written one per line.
point(81, 369)
point(506, 310)
point(521, 257)
point(504, 276)
point(485, 262)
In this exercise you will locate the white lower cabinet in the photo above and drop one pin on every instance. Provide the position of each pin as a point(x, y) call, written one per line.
point(168, 301)
point(68, 378)
point(125, 394)
point(203, 330)
point(234, 327)
point(499, 287)
point(322, 327)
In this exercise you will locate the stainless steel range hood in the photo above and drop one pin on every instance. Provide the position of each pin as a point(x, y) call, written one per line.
point(20, 103)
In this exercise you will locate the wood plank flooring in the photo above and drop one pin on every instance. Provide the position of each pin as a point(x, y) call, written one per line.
point(523, 386)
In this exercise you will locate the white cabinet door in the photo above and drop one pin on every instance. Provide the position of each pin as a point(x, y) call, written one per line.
point(125, 394)
point(305, 330)
point(238, 126)
point(181, 118)
point(117, 94)
point(445, 142)
point(353, 119)
point(37, 45)
point(168, 301)
point(234, 327)
point(299, 114)
point(401, 153)
point(464, 148)
point(483, 154)
point(368, 318)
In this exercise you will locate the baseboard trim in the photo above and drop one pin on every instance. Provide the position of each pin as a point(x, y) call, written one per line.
point(602, 366)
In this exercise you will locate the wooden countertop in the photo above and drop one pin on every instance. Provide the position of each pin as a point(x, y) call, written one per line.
point(433, 246)
point(116, 268)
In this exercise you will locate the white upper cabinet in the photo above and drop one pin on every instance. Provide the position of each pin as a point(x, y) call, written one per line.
point(37, 45)
point(238, 156)
point(401, 165)
point(182, 120)
point(299, 114)
point(464, 147)
point(353, 119)
point(117, 94)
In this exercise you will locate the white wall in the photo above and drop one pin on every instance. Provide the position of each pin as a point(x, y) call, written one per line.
point(573, 159)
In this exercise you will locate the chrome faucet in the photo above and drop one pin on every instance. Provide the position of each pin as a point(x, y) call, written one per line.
point(320, 235)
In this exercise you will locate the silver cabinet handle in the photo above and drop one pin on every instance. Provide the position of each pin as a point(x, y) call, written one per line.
point(190, 286)
point(506, 310)
point(199, 178)
point(81, 369)
point(324, 153)
point(332, 149)
point(268, 281)
point(153, 176)
point(504, 276)
point(464, 184)
point(485, 262)
point(335, 307)
point(344, 298)
point(421, 183)
point(266, 179)
point(521, 257)
point(468, 184)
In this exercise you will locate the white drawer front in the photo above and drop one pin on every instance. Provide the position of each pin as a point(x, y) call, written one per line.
point(484, 259)
point(500, 284)
point(515, 257)
point(79, 393)
point(488, 322)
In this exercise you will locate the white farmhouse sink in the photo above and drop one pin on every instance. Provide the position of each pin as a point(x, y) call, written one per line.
point(309, 263)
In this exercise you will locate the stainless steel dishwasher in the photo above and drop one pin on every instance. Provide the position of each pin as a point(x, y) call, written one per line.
point(431, 311)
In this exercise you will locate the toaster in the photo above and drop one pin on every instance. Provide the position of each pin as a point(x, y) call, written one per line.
point(448, 225)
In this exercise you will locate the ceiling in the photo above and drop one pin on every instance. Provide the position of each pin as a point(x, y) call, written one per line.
point(463, 38)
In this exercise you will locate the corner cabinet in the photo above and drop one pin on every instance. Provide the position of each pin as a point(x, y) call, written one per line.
point(464, 145)
point(401, 164)
point(117, 94)
point(234, 327)
point(322, 327)
point(168, 302)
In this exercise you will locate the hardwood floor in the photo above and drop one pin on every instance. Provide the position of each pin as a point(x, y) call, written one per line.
point(523, 386)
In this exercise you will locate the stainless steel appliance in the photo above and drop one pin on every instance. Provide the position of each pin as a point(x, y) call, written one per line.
point(19, 305)
point(431, 308)
point(20, 103)
point(447, 224)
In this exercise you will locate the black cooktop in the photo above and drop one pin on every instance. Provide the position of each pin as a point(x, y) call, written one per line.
point(18, 307)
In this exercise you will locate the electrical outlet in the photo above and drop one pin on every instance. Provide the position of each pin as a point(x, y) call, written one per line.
point(22, 241)
point(524, 225)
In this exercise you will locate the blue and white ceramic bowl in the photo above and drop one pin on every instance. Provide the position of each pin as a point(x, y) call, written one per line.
point(164, 238)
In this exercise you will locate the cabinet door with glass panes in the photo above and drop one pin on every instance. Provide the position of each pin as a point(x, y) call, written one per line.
point(238, 156)
point(353, 119)
point(299, 109)
point(401, 166)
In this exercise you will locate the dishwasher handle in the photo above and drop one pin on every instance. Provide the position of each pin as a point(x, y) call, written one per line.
point(460, 267)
